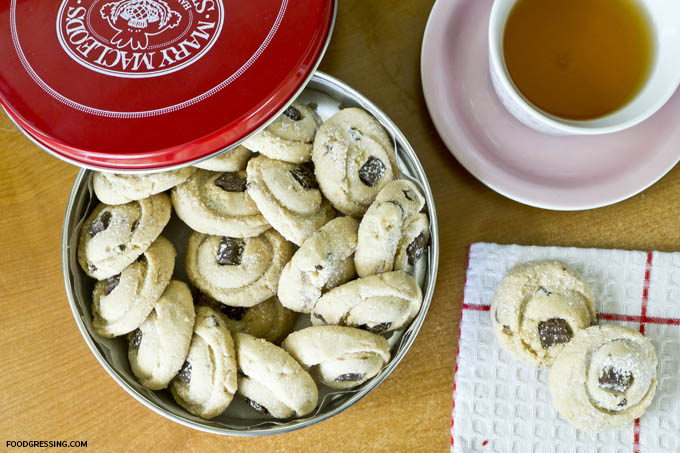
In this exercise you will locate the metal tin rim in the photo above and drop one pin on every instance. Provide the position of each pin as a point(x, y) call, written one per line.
point(89, 166)
point(415, 326)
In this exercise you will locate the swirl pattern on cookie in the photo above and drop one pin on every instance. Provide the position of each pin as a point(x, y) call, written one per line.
point(288, 198)
point(393, 233)
point(122, 302)
point(237, 272)
point(268, 320)
point(233, 160)
point(354, 159)
point(537, 309)
point(340, 357)
point(157, 349)
point(115, 188)
point(113, 237)
point(207, 381)
point(379, 303)
point(289, 138)
point(217, 203)
point(605, 378)
point(272, 382)
point(324, 261)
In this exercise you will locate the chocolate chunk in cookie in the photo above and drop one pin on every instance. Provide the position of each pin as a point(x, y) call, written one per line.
point(615, 380)
point(111, 284)
point(100, 223)
point(258, 407)
point(372, 171)
point(305, 177)
point(554, 331)
point(229, 251)
point(184, 373)
point(416, 248)
point(136, 339)
point(350, 377)
point(378, 328)
point(231, 182)
point(235, 313)
point(293, 114)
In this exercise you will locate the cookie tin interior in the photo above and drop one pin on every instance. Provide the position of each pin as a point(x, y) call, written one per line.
point(328, 94)
point(149, 84)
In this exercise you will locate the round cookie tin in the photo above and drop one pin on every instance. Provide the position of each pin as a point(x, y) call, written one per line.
point(329, 95)
point(138, 85)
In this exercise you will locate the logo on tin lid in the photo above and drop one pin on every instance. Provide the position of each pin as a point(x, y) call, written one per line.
point(138, 38)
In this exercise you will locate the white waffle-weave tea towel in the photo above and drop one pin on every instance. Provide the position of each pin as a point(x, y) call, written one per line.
point(500, 405)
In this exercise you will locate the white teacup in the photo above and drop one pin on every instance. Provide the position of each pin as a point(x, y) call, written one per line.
point(662, 83)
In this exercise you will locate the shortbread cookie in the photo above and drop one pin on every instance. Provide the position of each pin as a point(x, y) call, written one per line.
point(113, 237)
point(158, 347)
point(233, 160)
point(217, 203)
point(272, 382)
point(324, 261)
point(289, 137)
point(340, 357)
point(288, 197)
point(378, 303)
point(537, 308)
point(206, 383)
point(269, 319)
point(393, 233)
point(115, 188)
point(604, 378)
point(237, 272)
point(122, 302)
point(354, 159)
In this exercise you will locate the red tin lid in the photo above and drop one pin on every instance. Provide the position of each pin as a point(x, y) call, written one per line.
point(144, 84)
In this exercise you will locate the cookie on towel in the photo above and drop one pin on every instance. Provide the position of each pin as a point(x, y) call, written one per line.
point(537, 309)
point(289, 137)
point(158, 347)
point(118, 188)
point(604, 378)
point(206, 383)
point(272, 382)
point(268, 320)
point(354, 159)
point(237, 272)
point(324, 261)
point(393, 233)
point(340, 357)
point(113, 237)
point(217, 203)
point(233, 160)
point(122, 302)
point(379, 303)
point(288, 197)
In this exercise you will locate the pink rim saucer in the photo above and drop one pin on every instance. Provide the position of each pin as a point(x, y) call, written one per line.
point(561, 173)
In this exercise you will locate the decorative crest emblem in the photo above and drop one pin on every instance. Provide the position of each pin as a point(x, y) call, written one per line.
point(138, 38)
point(136, 20)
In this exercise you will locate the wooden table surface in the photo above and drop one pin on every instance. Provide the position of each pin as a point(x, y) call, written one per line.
point(53, 388)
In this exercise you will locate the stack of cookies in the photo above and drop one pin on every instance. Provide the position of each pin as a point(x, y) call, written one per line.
point(305, 223)
point(602, 376)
